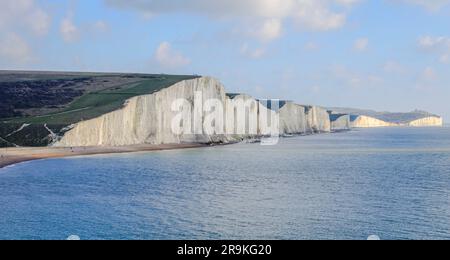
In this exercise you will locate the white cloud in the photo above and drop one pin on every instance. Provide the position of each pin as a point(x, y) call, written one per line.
point(311, 46)
point(316, 89)
point(445, 58)
point(100, 26)
point(355, 79)
point(361, 44)
point(434, 42)
point(271, 30)
point(223, 8)
point(167, 57)
point(320, 15)
point(427, 79)
point(255, 53)
point(68, 29)
point(20, 20)
point(432, 5)
point(347, 2)
point(14, 49)
point(39, 22)
point(439, 45)
point(23, 14)
point(394, 67)
point(429, 74)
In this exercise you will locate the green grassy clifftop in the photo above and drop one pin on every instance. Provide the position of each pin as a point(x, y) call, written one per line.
point(36, 107)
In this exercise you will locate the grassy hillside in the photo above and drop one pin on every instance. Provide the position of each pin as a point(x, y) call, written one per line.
point(42, 104)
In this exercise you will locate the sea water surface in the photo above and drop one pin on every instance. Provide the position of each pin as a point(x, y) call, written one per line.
point(391, 182)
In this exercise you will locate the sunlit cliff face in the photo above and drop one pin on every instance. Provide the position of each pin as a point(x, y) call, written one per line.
point(196, 111)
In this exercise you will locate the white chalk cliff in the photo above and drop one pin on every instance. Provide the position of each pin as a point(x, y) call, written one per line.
point(340, 123)
point(293, 119)
point(318, 120)
point(427, 121)
point(370, 122)
point(188, 112)
point(149, 119)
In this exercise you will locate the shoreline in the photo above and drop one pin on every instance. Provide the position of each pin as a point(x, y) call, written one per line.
point(11, 156)
point(14, 155)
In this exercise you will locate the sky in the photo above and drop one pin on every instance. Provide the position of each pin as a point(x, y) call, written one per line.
point(386, 55)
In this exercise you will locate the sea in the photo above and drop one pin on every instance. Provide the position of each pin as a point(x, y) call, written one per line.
point(393, 183)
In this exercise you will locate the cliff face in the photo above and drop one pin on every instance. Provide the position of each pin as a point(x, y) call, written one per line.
point(428, 121)
point(371, 118)
point(369, 122)
point(297, 119)
point(199, 111)
point(189, 106)
point(341, 122)
point(293, 119)
point(317, 120)
point(247, 118)
point(148, 118)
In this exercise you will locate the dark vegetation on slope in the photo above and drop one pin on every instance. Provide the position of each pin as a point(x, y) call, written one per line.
point(335, 117)
point(52, 101)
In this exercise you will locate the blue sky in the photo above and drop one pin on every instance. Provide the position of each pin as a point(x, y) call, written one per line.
point(388, 55)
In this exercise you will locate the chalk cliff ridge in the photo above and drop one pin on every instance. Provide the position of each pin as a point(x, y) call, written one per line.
point(427, 121)
point(103, 109)
point(149, 119)
point(368, 119)
point(371, 122)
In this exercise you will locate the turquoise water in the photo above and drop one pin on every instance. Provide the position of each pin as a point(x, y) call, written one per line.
point(394, 183)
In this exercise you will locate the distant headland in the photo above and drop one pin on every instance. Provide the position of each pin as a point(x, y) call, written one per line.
point(369, 118)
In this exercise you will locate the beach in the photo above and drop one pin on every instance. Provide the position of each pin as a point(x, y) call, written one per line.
point(10, 156)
